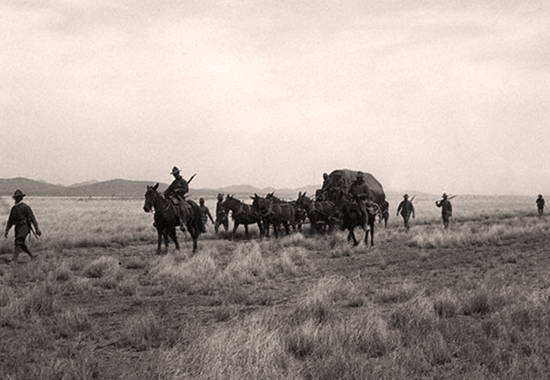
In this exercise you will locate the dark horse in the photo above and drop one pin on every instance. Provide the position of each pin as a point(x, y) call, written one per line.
point(319, 212)
point(166, 219)
point(275, 211)
point(242, 213)
point(351, 218)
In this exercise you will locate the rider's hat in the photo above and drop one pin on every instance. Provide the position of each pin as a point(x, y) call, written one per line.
point(18, 194)
point(406, 196)
point(175, 170)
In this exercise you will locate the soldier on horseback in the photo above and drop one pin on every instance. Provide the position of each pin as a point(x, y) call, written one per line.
point(176, 193)
point(359, 191)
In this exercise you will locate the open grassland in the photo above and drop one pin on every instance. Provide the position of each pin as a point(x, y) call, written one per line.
point(470, 302)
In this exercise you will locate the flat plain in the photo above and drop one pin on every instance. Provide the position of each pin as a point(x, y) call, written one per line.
point(469, 302)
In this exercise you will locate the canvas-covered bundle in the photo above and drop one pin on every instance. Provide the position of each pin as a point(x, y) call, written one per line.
point(341, 180)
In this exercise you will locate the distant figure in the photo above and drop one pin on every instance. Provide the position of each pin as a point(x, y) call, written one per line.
point(221, 216)
point(176, 192)
point(406, 209)
point(385, 212)
point(22, 217)
point(205, 214)
point(540, 204)
point(359, 191)
point(446, 209)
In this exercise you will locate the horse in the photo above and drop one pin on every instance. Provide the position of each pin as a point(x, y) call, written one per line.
point(351, 218)
point(242, 213)
point(318, 212)
point(275, 211)
point(166, 218)
point(300, 215)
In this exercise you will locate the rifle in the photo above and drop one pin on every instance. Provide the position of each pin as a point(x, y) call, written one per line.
point(34, 232)
point(412, 199)
point(190, 179)
point(448, 198)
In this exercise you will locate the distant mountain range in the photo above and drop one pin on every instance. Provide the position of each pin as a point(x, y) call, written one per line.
point(132, 189)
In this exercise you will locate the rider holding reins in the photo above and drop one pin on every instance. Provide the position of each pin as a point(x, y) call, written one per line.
point(176, 192)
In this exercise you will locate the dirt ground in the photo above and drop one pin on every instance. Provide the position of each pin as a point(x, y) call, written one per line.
point(391, 262)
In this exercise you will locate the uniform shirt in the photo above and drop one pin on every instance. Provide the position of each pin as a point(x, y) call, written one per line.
point(178, 187)
point(359, 190)
point(406, 208)
point(21, 216)
point(220, 212)
point(205, 213)
point(446, 208)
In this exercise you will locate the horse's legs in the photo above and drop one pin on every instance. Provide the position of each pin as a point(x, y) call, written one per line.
point(246, 230)
point(174, 237)
point(266, 227)
point(261, 227)
point(159, 245)
point(352, 236)
point(194, 236)
point(287, 227)
point(166, 241)
point(235, 226)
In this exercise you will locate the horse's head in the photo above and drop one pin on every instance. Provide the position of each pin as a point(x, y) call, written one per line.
point(150, 196)
point(262, 205)
point(228, 203)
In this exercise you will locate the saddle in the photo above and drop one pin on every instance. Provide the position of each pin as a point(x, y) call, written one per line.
point(182, 206)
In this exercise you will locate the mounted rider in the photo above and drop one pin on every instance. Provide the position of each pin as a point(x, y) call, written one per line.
point(176, 193)
point(359, 191)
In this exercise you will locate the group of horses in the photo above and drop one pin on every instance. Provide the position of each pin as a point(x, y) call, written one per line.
point(266, 212)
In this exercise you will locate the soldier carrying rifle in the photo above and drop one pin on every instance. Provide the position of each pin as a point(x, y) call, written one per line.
point(446, 208)
point(406, 209)
point(176, 193)
point(22, 217)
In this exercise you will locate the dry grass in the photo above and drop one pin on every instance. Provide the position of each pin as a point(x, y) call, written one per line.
point(470, 302)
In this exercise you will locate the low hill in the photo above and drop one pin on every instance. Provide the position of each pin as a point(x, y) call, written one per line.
point(132, 189)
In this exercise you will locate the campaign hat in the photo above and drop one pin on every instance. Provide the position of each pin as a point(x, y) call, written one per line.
point(18, 194)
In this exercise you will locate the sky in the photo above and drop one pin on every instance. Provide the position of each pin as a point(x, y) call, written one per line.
point(434, 96)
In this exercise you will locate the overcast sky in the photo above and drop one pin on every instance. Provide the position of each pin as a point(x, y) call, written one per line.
point(436, 96)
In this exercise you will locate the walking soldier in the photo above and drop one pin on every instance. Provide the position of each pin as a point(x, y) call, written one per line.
point(22, 217)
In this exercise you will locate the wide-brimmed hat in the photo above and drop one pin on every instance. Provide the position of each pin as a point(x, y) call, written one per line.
point(18, 194)
point(175, 170)
point(444, 195)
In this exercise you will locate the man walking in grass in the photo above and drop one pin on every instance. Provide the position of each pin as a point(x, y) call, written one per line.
point(221, 215)
point(540, 204)
point(22, 217)
point(446, 209)
point(205, 214)
point(406, 209)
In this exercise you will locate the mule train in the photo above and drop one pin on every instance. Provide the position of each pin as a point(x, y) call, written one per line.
point(338, 204)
